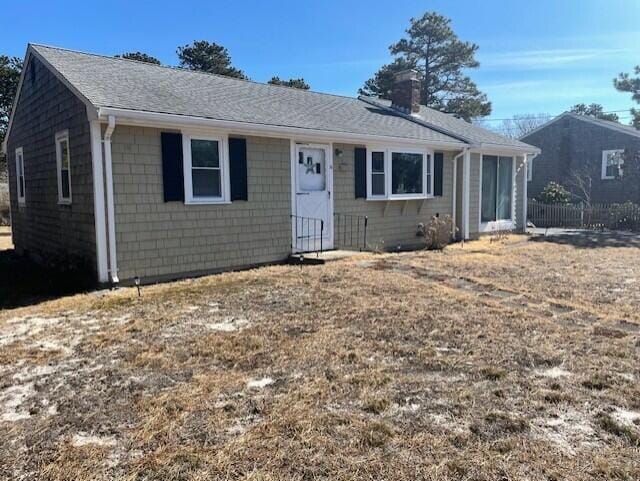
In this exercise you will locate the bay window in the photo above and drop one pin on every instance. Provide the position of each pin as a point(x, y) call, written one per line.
point(399, 174)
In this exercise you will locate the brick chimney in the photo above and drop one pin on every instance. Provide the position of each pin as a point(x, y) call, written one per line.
point(405, 92)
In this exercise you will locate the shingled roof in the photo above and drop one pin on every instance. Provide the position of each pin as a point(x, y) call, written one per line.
point(108, 82)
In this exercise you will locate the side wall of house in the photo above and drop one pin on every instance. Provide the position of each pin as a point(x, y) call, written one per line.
point(391, 224)
point(60, 234)
point(157, 239)
point(571, 145)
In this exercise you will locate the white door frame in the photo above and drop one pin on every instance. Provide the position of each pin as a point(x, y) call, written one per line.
point(294, 144)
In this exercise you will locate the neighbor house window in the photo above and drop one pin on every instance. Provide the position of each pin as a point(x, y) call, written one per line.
point(399, 174)
point(497, 184)
point(20, 175)
point(63, 160)
point(530, 170)
point(205, 169)
point(612, 161)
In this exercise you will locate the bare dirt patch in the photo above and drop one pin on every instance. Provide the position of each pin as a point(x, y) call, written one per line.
point(503, 360)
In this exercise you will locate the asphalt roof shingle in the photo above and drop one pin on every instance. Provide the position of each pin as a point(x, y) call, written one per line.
point(126, 84)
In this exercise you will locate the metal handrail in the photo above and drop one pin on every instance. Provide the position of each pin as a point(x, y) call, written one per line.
point(350, 231)
point(310, 225)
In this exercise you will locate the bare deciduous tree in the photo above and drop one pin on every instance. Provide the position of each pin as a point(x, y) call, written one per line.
point(516, 127)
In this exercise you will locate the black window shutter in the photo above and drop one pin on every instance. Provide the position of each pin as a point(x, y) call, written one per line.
point(360, 172)
point(438, 160)
point(238, 169)
point(172, 168)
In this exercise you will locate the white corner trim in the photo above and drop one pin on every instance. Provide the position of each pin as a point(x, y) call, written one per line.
point(98, 201)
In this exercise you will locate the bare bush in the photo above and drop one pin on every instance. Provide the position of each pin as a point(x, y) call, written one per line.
point(437, 232)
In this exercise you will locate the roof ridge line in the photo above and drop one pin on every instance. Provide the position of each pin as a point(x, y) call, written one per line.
point(181, 69)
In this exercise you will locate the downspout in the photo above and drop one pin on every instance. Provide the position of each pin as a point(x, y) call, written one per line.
point(111, 223)
point(466, 170)
point(455, 188)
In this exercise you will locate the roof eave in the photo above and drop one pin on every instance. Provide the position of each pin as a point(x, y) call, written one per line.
point(166, 120)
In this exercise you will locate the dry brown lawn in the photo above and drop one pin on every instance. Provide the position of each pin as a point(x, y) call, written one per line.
point(497, 361)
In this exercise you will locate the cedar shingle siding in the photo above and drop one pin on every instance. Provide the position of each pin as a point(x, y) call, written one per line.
point(571, 143)
point(59, 234)
point(167, 239)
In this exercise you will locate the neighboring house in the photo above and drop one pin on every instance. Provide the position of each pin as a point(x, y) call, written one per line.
point(585, 155)
point(137, 170)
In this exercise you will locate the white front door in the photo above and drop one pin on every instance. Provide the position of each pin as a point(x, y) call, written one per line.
point(313, 210)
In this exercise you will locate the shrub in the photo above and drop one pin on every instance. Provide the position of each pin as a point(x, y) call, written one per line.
point(554, 193)
point(437, 232)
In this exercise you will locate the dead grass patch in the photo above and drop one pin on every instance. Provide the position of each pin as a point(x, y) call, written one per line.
point(492, 361)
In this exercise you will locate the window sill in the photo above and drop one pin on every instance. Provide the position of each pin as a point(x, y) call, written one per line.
point(207, 202)
point(64, 202)
point(503, 224)
point(411, 197)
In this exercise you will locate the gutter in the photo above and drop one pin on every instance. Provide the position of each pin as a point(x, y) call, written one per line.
point(111, 223)
point(159, 119)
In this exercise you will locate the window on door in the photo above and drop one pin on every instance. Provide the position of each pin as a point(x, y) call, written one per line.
point(311, 170)
point(497, 184)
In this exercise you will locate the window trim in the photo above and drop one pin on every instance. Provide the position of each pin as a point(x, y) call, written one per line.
point(603, 165)
point(498, 224)
point(427, 172)
point(22, 199)
point(59, 138)
point(223, 153)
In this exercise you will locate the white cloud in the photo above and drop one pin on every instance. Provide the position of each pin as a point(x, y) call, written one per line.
point(546, 59)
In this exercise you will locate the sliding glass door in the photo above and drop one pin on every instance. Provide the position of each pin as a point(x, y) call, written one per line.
point(497, 184)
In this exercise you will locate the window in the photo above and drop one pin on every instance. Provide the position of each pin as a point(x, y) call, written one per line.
point(497, 184)
point(612, 161)
point(377, 173)
point(399, 174)
point(20, 175)
point(63, 160)
point(206, 180)
point(530, 170)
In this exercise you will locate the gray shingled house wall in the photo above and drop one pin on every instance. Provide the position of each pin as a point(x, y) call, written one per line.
point(570, 144)
point(394, 223)
point(59, 234)
point(162, 240)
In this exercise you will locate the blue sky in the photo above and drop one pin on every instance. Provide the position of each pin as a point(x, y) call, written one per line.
point(536, 56)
